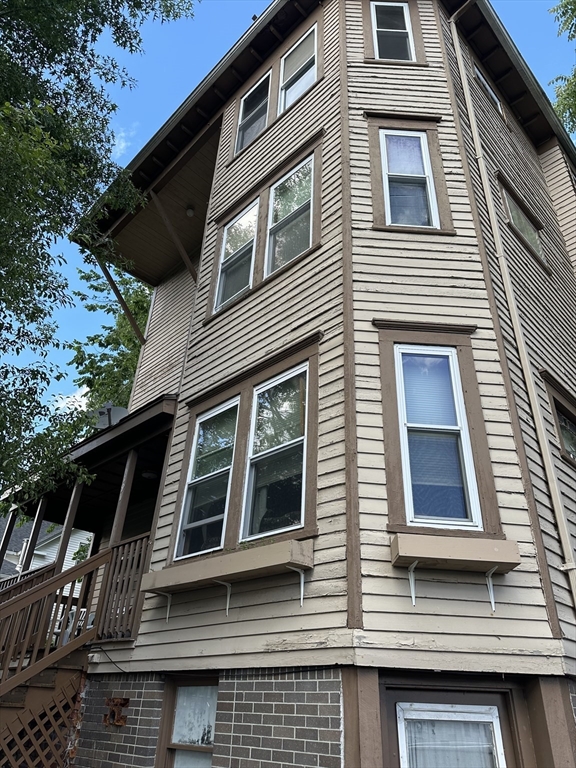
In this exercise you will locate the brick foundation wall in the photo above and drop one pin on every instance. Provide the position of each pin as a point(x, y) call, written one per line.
point(279, 718)
point(133, 744)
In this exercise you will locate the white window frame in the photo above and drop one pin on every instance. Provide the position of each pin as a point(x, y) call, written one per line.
point(489, 90)
point(282, 85)
point(242, 101)
point(269, 226)
point(190, 481)
point(407, 21)
point(217, 305)
point(459, 712)
point(248, 474)
point(461, 428)
point(428, 175)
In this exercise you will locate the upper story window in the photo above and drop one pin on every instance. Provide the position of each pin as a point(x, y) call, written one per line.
point(276, 456)
point(253, 113)
point(290, 217)
point(251, 460)
point(297, 70)
point(563, 404)
point(437, 465)
point(277, 227)
point(523, 225)
point(392, 31)
point(237, 255)
point(409, 194)
point(487, 88)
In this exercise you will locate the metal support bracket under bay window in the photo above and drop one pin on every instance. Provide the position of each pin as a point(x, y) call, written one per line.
point(228, 592)
point(301, 572)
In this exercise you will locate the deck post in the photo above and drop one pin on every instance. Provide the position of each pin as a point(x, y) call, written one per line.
point(10, 523)
point(123, 498)
point(67, 527)
point(34, 534)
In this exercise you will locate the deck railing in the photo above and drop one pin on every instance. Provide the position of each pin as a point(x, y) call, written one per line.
point(22, 582)
point(51, 619)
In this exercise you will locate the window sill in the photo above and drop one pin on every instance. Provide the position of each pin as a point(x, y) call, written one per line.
point(242, 565)
point(413, 230)
point(454, 553)
point(258, 286)
point(272, 123)
point(396, 63)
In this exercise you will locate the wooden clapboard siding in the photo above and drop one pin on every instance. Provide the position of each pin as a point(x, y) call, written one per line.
point(429, 277)
point(161, 359)
point(265, 614)
point(545, 301)
point(562, 186)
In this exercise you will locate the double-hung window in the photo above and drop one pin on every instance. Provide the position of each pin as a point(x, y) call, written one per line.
point(392, 31)
point(437, 466)
point(206, 501)
point(290, 216)
point(446, 735)
point(409, 195)
point(253, 113)
point(237, 258)
point(487, 88)
point(298, 70)
point(276, 456)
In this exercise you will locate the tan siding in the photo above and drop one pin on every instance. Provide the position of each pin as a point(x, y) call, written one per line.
point(160, 365)
point(563, 193)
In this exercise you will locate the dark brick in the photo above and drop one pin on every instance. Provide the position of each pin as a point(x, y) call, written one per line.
point(271, 743)
point(261, 754)
point(273, 696)
point(284, 709)
point(319, 747)
point(280, 756)
point(329, 761)
point(250, 741)
point(318, 722)
point(329, 685)
point(329, 710)
point(335, 748)
point(262, 730)
point(293, 745)
point(284, 732)
point(303, 758)
point(327, 735)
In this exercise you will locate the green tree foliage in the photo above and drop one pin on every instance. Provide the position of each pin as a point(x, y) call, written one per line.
point(56, 147)
point(106, 361)
point(565, 14)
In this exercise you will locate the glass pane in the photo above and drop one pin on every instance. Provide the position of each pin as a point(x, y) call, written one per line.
point(428, 390)
point(301, 84)
point(277, 491)
point(203, 537)
point(292, 192)
point(409, 203)
point(568, 432)
point(186, 759)
point(215, 443)
point(256, 98)
point(195, 715)
point(390, 17)
point(404, 155)
point(524, 225)
point(280, 413)
point(290, 240)
point(236, 276)
point(298, 57)
point(241, 232)
point(450, 744)
point(252, 126)
point(393, 45)
point(437, 477)
point(207, 498)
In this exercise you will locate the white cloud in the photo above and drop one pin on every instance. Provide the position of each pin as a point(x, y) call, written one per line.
point(77, 400)
point(122, 141)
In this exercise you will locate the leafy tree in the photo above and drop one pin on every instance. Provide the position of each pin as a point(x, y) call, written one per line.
point(106, 362)
point(56, 146)
point(565, 14)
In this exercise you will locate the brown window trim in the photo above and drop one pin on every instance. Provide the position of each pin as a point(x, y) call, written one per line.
point(273, 66)
point(311, 148)
point(457, 336)
point(506, 188)
point(509, 697)
point(426, 124)
point(419, 50)
point(560, 400)
point(165, 750)
point(243, 386)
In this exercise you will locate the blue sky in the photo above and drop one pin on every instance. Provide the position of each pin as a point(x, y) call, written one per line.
point(177, 56)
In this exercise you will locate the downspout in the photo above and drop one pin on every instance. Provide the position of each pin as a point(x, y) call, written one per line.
point(569, 565)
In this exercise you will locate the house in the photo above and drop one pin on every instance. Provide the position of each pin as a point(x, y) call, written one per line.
point(338, 525)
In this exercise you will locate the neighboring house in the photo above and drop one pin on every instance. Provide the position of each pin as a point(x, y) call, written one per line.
point(338, 526)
